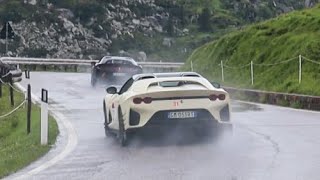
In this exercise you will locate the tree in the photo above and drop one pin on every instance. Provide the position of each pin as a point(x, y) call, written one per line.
point(204, 20)
point(170, 26)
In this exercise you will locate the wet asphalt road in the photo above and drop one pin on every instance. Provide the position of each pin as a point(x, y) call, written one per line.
point(269, 142)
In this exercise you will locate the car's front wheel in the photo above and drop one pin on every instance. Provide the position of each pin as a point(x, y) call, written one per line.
point(93, 79)
point(122, 135)
point(106, 121)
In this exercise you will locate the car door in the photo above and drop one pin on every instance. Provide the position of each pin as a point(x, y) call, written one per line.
point(116, 99)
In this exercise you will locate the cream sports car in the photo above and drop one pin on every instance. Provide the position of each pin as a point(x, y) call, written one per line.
point(150, 100)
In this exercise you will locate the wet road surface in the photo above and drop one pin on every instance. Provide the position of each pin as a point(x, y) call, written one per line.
point(269, 142)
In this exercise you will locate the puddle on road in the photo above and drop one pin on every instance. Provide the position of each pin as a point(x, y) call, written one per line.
point(244, 107)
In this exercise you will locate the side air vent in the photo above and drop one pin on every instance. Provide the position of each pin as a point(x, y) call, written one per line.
point(225, 114)
point(190, 75)
point(134, 118)
point(145, 77)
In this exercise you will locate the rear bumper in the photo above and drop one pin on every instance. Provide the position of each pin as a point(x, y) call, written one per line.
point(161, 119)
point(105, 78)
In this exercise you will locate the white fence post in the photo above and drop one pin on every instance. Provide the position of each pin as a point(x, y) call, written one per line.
point(44, 117)
point(222, 72)
point(251, 72)
point(191, 63)
point(300, 68)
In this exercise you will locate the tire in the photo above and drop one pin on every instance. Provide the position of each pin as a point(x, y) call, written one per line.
point(122, 134)
point(93, 80)
point(225, 130)
point(106, 127)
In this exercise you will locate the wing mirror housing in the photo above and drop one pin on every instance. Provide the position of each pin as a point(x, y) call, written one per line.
point(216, 85)
point(93, 63)
point(112, 90)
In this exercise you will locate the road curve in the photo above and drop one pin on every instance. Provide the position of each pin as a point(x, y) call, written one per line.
point(269, 142)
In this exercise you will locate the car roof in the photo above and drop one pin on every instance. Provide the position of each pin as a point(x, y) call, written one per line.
point(142, 85)
point(106, 58)
point(165, 75)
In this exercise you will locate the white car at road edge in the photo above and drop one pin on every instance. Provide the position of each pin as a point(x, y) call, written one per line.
point(159, 99)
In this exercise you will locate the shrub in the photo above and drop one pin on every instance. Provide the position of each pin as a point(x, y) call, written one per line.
point(204, 20)
point(35, 52)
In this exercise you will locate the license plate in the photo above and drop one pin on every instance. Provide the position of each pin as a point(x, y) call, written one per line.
point(182, 114)
point(119, 74)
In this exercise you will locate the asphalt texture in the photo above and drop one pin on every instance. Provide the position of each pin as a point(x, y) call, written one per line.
point(269, 142)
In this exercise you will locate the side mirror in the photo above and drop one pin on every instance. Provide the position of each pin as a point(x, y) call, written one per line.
point(216, 85)
point(93, 63)
point(112, 90)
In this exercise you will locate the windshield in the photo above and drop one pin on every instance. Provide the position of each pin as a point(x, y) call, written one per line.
point(117, 61)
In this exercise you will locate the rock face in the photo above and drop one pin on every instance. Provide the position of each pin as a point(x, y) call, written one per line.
point(65, 37)
point(310, 3)
point(56, 31)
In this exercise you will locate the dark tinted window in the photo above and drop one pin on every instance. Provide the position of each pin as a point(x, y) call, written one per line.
point(116, 61)
point(126, 86)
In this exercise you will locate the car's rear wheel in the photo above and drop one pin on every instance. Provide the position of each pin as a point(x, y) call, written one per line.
point(106, 121)
point(122, 135)
point(226, 130)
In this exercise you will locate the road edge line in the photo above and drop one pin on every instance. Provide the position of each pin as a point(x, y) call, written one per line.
point(72, 139)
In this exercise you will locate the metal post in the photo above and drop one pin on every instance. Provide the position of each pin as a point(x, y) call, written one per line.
point(251, 72)
point(44, 117)
point(7, 33)
point(0, 89)
point(222, 72)
point(27, 74)
point(29, 109)
point(78, 12)
point(1, 73)
point(300, 68)
point(11, 90)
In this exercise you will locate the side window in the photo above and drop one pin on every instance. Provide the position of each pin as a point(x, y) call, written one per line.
point(128, 63)
point(126, 86)
point(108, 61)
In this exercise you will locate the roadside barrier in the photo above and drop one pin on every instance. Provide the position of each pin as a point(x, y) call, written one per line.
point(78, 64)
point(275, 98)
point(251, 67)
point(8, 76)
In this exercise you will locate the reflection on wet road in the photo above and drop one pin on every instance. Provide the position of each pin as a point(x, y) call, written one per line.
point(269, 142)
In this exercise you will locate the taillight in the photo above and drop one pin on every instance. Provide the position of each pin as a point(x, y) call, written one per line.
point(222, 97)
point(137, 100)
point(146, 100)
point(214, 97)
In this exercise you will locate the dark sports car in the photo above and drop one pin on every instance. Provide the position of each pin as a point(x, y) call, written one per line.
point(114, 70)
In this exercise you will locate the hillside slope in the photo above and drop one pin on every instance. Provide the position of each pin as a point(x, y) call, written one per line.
point(267, 43)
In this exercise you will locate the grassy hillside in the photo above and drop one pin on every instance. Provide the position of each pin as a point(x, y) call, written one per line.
point(268, 42)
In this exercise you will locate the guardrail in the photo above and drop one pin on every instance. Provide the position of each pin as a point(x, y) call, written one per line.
point(298, 101)
point(43, 61)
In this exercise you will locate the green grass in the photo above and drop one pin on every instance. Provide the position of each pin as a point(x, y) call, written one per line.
point(269, 42)
point(17, 149)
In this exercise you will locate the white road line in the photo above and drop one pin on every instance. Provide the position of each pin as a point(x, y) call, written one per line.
point(72, 141)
